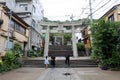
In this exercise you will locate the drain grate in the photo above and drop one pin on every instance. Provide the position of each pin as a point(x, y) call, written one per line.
point(67, 74)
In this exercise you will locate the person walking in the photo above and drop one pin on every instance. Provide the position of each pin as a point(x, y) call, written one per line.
point(46, 62)
point(67, 60)
point(53, 61)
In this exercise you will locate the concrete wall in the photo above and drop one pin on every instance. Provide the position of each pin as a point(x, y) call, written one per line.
point(9, 3)
point(20, 8)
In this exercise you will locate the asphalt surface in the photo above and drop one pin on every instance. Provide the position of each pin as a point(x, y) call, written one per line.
point(27, 73)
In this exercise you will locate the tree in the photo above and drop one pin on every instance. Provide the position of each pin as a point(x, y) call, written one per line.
point(80, 46)
point(52, 37)
point(105, 40)
point(45, 19)
point(67, 37)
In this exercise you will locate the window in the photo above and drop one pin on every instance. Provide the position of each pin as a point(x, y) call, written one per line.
point(12, 24)
point(111, 18)
point(119, 17)
point(25, 6)
point(83, 33)
point(53, 27)
point(67, 27)
point(19, 28)
point(44, 27)
point(9, 44)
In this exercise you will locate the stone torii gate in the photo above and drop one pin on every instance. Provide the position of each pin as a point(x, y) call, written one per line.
point(61, 27)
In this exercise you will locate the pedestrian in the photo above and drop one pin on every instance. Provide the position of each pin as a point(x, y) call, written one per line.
point(53, 61)
point(46, 62)
point(67, 60)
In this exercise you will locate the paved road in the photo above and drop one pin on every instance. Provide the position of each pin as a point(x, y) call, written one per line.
point(58, 74)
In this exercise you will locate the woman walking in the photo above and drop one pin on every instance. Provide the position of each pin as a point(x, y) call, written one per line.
point(46, 62)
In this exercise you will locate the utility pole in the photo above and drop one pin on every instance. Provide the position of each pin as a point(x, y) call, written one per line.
point(8, 37)
point(71, 17)
point(91, 21)
point(91, 18)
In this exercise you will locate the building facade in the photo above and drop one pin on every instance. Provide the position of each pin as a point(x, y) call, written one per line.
point(31, 12)
point(86, 39)
point(14, 29)
point(113, 14)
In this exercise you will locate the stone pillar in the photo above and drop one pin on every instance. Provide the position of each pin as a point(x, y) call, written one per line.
point(75, 52)
point(46, 47)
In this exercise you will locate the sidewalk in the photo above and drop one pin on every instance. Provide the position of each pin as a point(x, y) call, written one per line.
point(59, 74)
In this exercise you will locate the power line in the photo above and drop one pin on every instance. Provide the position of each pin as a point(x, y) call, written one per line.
point(86, 8)
point(99, 3)
point(101, 7)
point(83, 10)
point(107, 7)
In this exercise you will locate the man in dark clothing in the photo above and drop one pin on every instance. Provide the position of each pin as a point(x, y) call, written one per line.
point(53, 61)
point(67, 61)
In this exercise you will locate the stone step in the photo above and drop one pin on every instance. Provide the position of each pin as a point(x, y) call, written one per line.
point(61, 47)
point(60, 53)
point(61, 63)
point(60, 50)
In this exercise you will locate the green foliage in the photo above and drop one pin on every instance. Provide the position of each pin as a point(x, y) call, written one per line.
point(80, 46)
point(67, 37)
point(94, 56)
point(17, 49)
point(41, 52)
point(45, 19)
point(11, 62)
point(1, 62)
point(106, 42)
point(33, 53)
point(52, 37)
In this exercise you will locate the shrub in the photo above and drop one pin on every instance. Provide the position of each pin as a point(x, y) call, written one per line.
point(32, 53)
point(105, 42)
point(10, 62)
point(17, 49)
point(80, 46)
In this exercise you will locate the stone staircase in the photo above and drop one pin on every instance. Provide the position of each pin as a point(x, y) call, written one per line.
point(60, 50)
point(60, 63)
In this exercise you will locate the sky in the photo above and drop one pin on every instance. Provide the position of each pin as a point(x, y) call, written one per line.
point(63, 9)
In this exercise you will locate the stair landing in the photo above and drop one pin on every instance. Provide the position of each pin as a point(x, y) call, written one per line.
point(60, 62)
